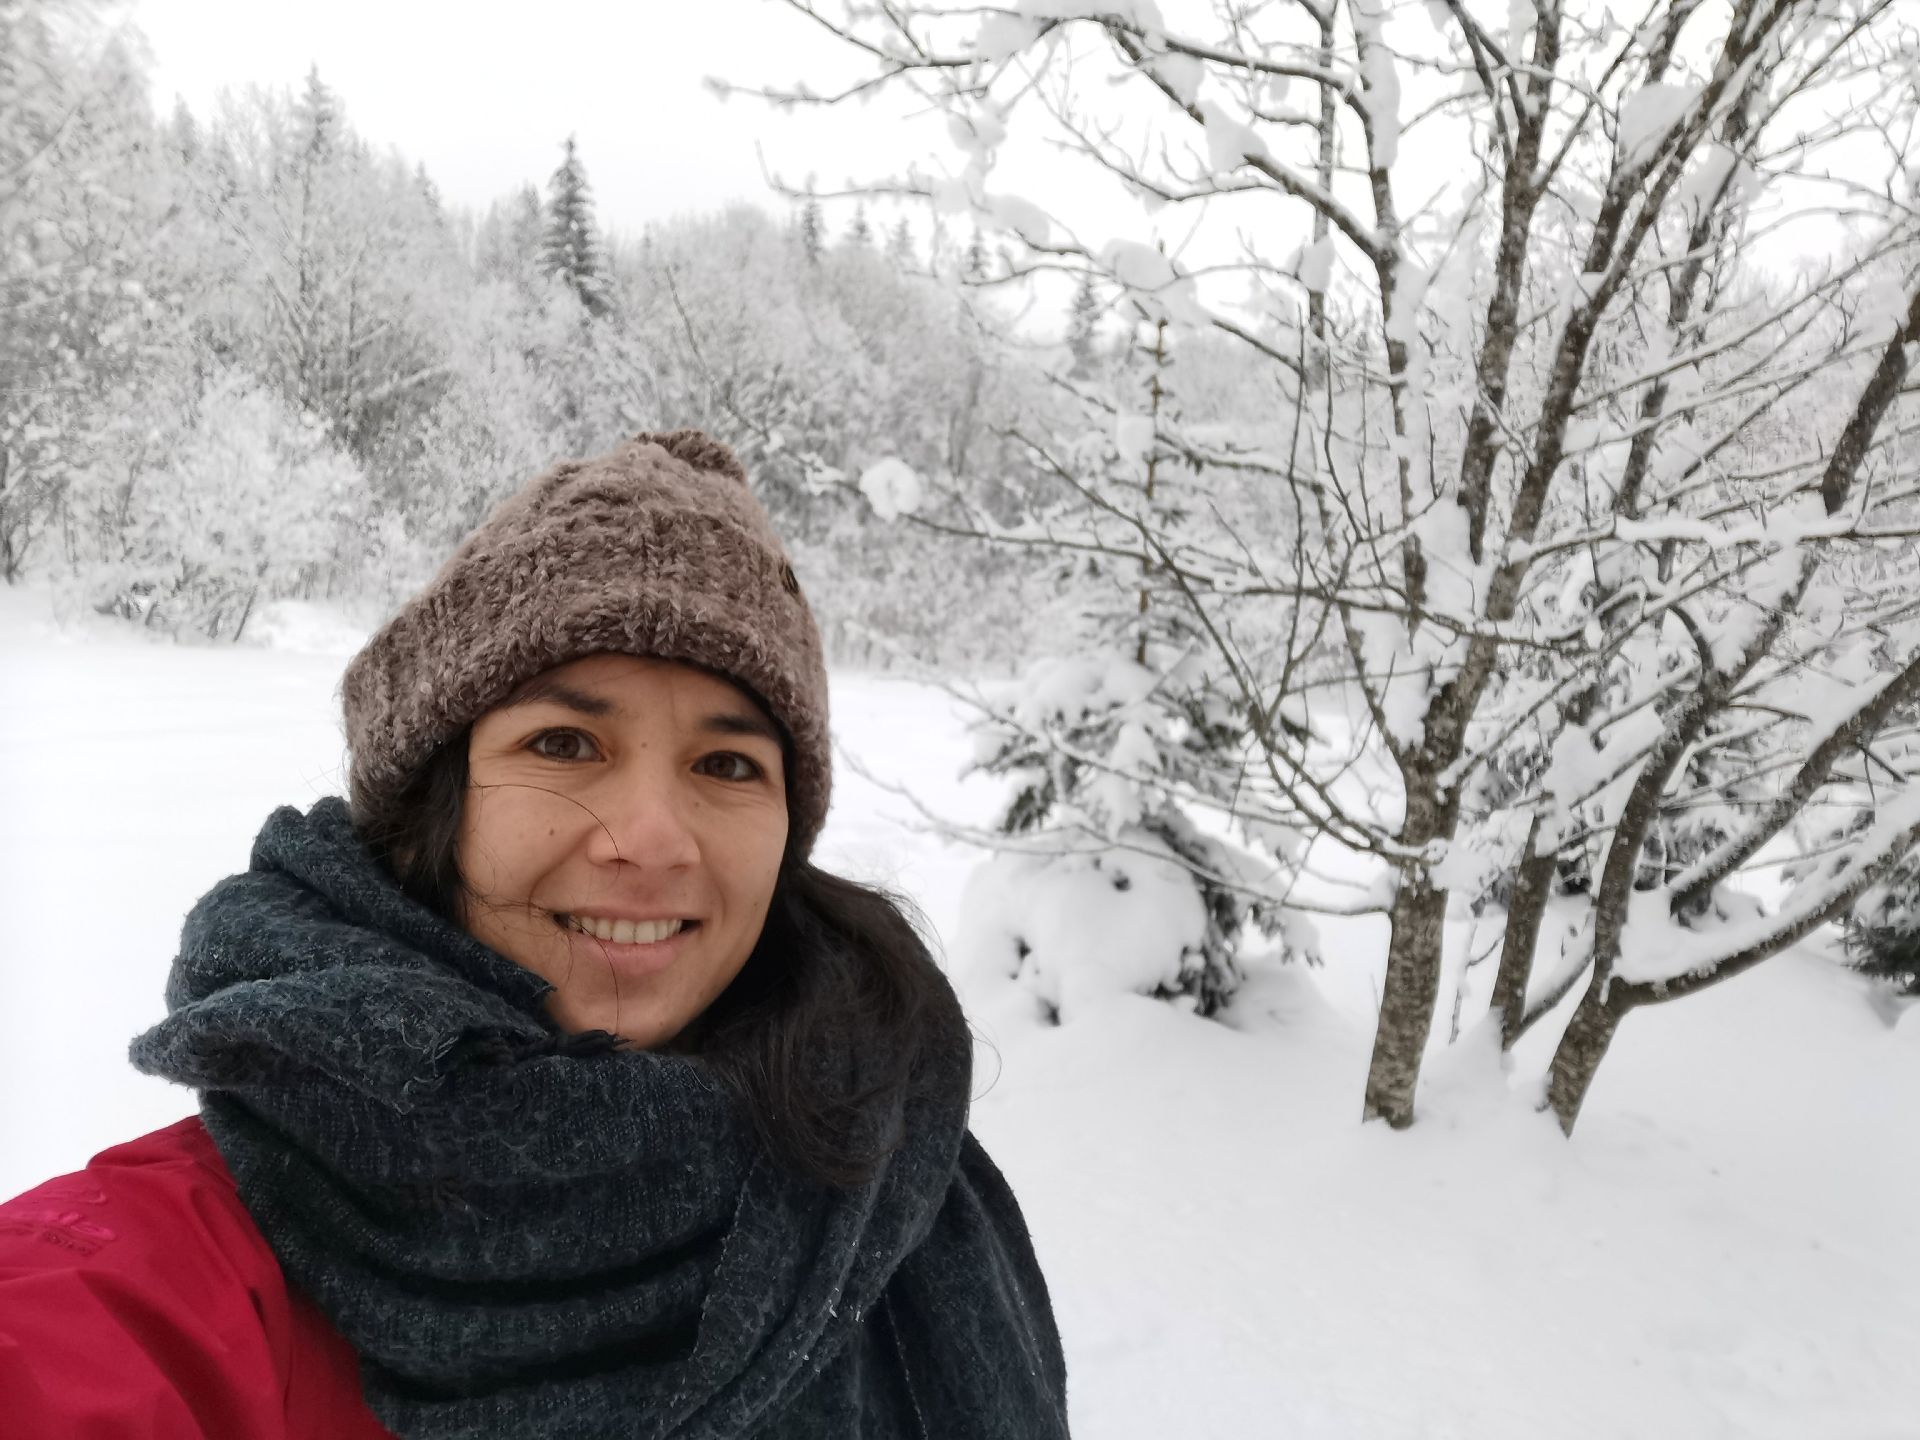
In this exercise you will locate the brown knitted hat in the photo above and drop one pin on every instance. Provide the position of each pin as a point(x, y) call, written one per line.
point(658, 548)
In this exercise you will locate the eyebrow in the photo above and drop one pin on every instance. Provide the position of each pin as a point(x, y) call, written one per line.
point(558, 692)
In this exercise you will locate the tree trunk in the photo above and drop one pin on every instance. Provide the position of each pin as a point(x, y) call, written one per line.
point(1582, 1048)
point(9, 565)
point(1526, 906)
point(1406, 1003)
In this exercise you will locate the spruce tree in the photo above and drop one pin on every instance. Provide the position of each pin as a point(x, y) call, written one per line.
point(1123, 719)
point(974, 265)
point(813, 239)
point(317, 115)
point(1883, 932)
point(860, 233)
point(900, 246)
point(1083, 325)
point(573, 238)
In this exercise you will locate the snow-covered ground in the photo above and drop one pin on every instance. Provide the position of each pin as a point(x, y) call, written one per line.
point(1726, 1249)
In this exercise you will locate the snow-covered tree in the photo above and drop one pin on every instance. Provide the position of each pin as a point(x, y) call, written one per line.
point(1528, 403)
point(1120, 742)
point(1083, 326)
point(813, 235)
point(82, 209)
point(1883, 932)
point(573, 250)
point(340, 272)
point(207, 496)
point(900, 245)
point(859, 231)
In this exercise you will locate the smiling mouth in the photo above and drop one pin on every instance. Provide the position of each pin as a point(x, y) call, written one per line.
point(625, 932)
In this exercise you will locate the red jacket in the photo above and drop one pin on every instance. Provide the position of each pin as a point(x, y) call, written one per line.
point(138, 1299)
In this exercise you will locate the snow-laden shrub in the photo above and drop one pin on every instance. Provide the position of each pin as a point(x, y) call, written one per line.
point(232, 502)
point(1882, 933)
point(1072, 927)
point(1100, 750)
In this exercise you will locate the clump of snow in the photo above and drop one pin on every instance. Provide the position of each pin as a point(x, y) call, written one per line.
point(1139, 267)
point(952, 197)
point(1316, 265)
point(1066, 690)
point(978, 130)
point(1133, 438)
point(1182, 74)
point(1023, 217)
point(1402, 683)
point(892, 487)
point(1160, 289)
point(1231, 142)
point(1648, 117)
point(1143, 14)
point(1381, 95)
point(1585, 757)
point(1002, 36)
point(1070, 929)
point(1713, 168)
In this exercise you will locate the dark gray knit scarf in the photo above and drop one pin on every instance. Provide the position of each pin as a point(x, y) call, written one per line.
point(524, 1240)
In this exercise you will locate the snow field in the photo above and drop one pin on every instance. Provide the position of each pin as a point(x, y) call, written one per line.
point(1722, 1251)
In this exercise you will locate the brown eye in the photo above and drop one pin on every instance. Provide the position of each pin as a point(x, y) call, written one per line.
point(730, 765)
point(562, 745)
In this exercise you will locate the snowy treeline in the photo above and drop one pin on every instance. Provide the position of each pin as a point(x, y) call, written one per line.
point(1566, 568)
point(250, 356)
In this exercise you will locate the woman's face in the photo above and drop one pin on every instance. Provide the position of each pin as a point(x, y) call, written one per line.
point(621, 836)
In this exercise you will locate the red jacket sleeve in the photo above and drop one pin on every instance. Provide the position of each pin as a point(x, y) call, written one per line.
point(138, 1299)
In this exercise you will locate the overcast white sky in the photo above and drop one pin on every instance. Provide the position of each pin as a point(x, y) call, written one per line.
point(484, 92)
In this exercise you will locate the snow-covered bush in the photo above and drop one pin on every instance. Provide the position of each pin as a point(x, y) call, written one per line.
point(236, 502)
point(1883, 930)
point(1071, 927)
point(1105, 756)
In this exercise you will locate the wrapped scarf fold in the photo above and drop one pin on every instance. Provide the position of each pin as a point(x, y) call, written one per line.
point(525, 1235)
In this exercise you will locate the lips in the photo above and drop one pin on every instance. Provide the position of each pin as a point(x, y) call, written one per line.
point(635, 955)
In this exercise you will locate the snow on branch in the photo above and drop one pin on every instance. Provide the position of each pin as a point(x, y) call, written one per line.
point(1661, 961)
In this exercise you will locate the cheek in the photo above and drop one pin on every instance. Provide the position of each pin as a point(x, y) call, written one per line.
point(499, 850)
point(755, 856)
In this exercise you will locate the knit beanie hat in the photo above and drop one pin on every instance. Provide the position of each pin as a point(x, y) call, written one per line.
point(657, 548)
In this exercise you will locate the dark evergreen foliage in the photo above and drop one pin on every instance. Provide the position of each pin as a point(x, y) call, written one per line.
point(573, 250)
point(813, 238)
point(1882, 935)
point(1083, 326)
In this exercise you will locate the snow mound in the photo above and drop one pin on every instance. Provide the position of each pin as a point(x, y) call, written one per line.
point(303, 627)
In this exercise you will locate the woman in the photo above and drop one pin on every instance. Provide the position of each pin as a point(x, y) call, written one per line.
point(546, 1088)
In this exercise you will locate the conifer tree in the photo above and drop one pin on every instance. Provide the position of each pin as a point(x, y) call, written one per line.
point(900, 245)
point(973, 266)
point(813, 240)
point(573, 239)
point(1083, 326)
point(316, 117)
point(1883, 934)
point(860, 233)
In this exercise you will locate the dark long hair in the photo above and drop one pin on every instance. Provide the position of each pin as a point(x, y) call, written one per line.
point(838, 971)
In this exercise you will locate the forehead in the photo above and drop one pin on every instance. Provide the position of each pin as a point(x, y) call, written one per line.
point(636, 685)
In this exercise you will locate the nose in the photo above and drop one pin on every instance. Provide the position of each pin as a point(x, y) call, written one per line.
point(646, 820)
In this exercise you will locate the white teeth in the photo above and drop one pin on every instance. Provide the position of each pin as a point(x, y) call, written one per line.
point(627, 932)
